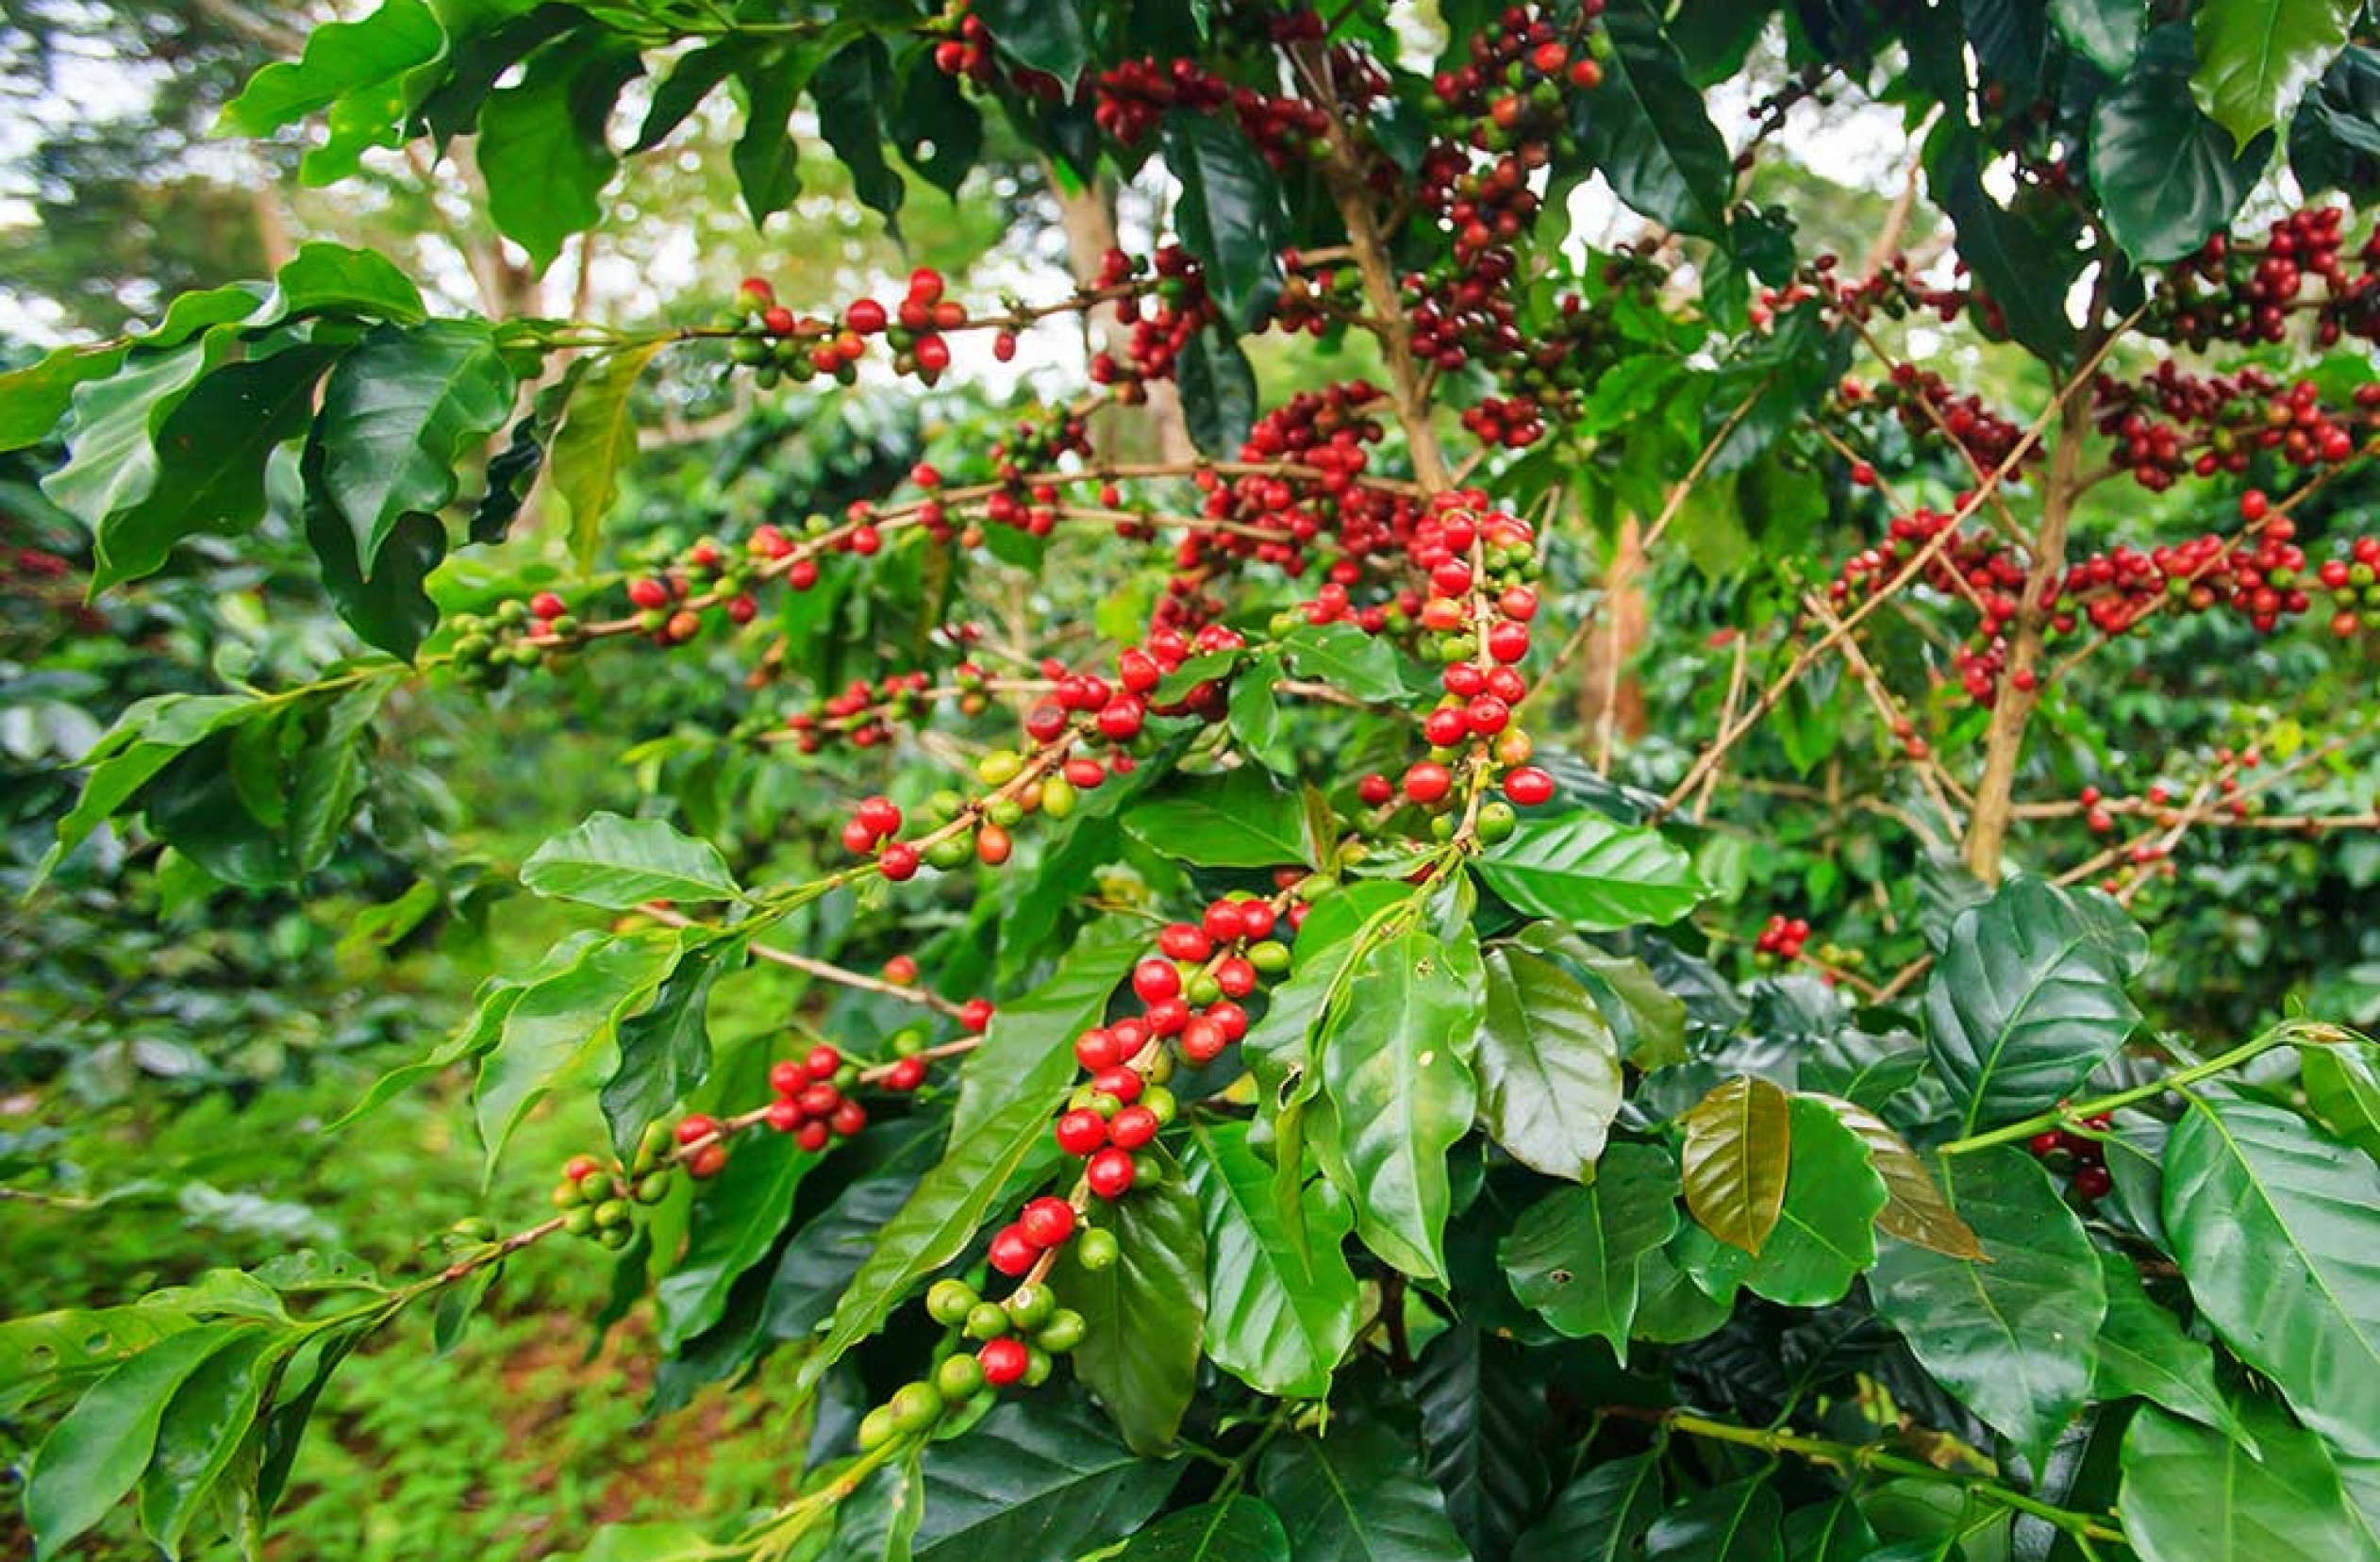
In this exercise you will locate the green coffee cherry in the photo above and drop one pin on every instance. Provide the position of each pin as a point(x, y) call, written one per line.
point(1095, 1249)
point(1062, 1332)
point(987, 1321)
point(1038, 1367)
point(949, 1302)
point(915, 1407)
point(959, 1379)
point(1030, 1307)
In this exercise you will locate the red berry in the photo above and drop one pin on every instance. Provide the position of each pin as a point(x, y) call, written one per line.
point(1097, 1049)
point(1119, 718)
point(1046, 1222)
point(1226, 921)
point(866, 316)
point(787, 1078)
point(813, 1135)
point(1156, 980)
point(580, 1168)
point(1184, 941)
point(1109, 1174)
point(1508, 641)
point(906, 1075)
point(1081, 1131)
point(1013, 1251)
point(1132, 1128)
point(898, 862)
point(1123, 1084)
point(974, 1014)
point(2093, 1183)
point(1375, 789)
point(1528, 786)
point(708, 1162)
point(1427, 782)
point(697, 1126)
point(1002, 1360)
point(648, 593)
point(546, 605)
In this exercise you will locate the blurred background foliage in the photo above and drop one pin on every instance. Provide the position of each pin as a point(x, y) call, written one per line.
point(169, 1045)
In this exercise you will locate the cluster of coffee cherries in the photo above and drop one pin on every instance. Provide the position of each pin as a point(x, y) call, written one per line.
point(1023, 462)
point(1513, 81)
point(1131, 99)
point(1973, 566)
point(1781, 938)
point(1175, 309)
point(2230, 292)
point(597, 1200)
point(2079, 1156)
point(778, 343)
point(811, 1100)
point(2171, 423)
point(864, 712)
point(1918, 397)
point(1019, 1340)
point(965, 49)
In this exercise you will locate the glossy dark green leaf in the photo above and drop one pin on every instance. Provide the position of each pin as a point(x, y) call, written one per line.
point(149, 736)
point(1394, 1073)
point(1042, 1482)
point(665, 1051)
point(1256, 719)
point(34, 398)
point(1600, 1516)
point(389, 604)
point(2167, 175)
point(1829, 1532)
point(2257, 57)
point(2105, 32)
point(2013, 259)
point(732, 1226)
point(542, 141)
point(1591, 874)
point(560, 1023)
point(1741, 1521)
point(878, 1521)
point(2143, 1353)
point(1238, 1529)
point(1549, 1066)
point(2015, 1337)
point(1647, 131)
point(620, 863)
point(112, 462)
point(854, 89)
point(1824, 1237)
point(399, 416)
point(1050, 35)
point(1230, 214)
point(2342, 1087)
point(1914, 1208)
point(2277, 1229)
point(1485, 1424)
point(1146, 1311)
point(1358, 1494)
point(1736, 1153)
point(1280, 1311)
point(2192, 1494)
point(818, 1264)
point(1238, 820)
point(92, 1458)
point(1278, 1044)
point(939, 130)
point(1219, 392)
point(2333, 139)
point(2023, 1005)
point(1028, 1053)
point(1573, 1256)
point(1347, 658)
point(356, 66)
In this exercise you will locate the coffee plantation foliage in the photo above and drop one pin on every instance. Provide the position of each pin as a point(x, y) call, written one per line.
point(1484, 898)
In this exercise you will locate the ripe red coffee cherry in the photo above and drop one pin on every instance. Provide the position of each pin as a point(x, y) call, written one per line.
point(1110, 1173)
point(925, 286)
point(1427, 782)
point(1487, 715)
point(898, 862)
point(822, 1061)
point(974, 1014)
point(1184, 941)
point(648, 593)
point(708, 1162)
point(848, 1119)
point(1236, 976)
point(697, 1126)
point(1121, 718)
point(866, 316)
point(1256, 918)
point(1047, 1221)
point(878, 814)
point(1123, 1084)
point(1097, 1049)
point(784, 1115)
point(1226, 921)
point(546, 605)
point(1451, 579)
point(1081, 1131)
point(1156, 980)
point(1528, 786)
point(1445, 727)
point(1202, 1040)
point(933, 353)
point(788, 1076)
point(1132, 1128)
point(813, 1135)
point(1375, 789)
point(906, 1075)
point(1002, 1360)
point(1230, 1016)
point(1508, 641)
point(1013, 1252)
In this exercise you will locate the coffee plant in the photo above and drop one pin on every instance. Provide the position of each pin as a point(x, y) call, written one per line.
point(1266, 1078)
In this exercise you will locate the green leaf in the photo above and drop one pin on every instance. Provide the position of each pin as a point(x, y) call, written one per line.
point(325, 278)
point(878, 1521)
point(2168, 177)
point(150, 735)
point(327, 776)
point(1280, 1312)
point(1027, 1052)
point(2276, 1226)
point(35, 398)
point(2019, 264)
point(1146, 1311)
point(2144, 1353)
point(542, 149)
point(2014, 1338)
point(1646, 129)
point(2334, 139)
point(1484, 1420)
point(1239, 820)
point(767, 159)
point(402, 413)
point(384, 602)
point(1347, 658)
point(1549, 1066)
point(2344, 1089)
point(817, 1265)
point(1256, 718)
point(2105, 32)
point(2257, 57)
point(1358, 1494)
point(1825, 1232)
point(665, 1051)
point(1393, 1072)
point(853, 91)
point(1230, 214)
point(1741, 1521)
point(1034, 1483)
point(1591, 874)
point(1831, 1532)
point(91, 1459)
point(2194, 1495)
point(1572, 1256)
point(2024, 1004)
point(1600, 1516)
point(596, 438)
point(113, 461)
point(201, 1432)
point(733, 1226)
point(620, 864)
point(1219, 392)
point(559, 1024)
point(1238, 1529)
point(1914, 1208)
point(343, 61)
point(1051, 36)
point(1737, 1147)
